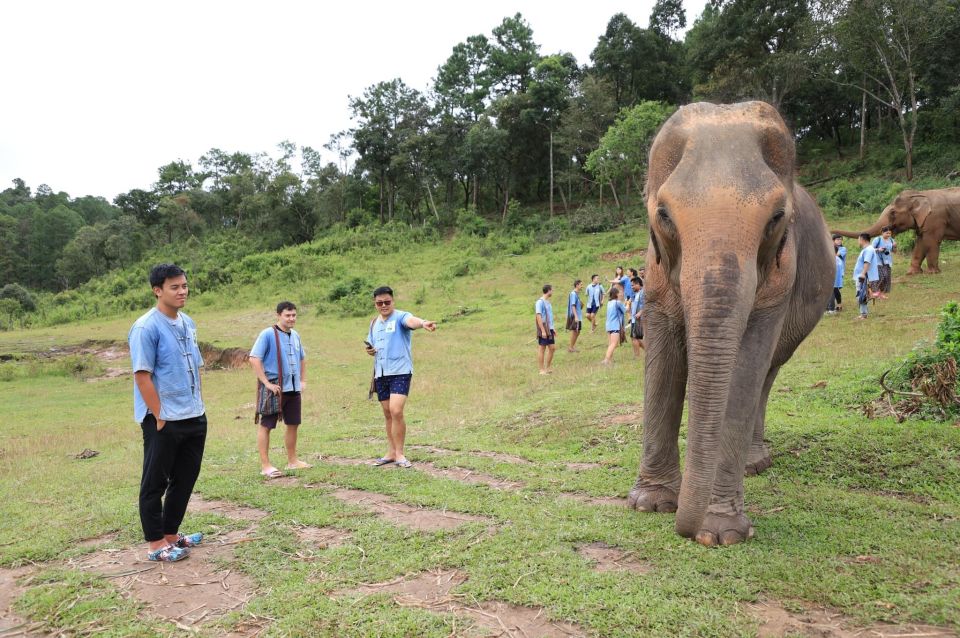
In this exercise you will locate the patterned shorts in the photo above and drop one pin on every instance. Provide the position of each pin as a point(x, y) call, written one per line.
point(392, 384)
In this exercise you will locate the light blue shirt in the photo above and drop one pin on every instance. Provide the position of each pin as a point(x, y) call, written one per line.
point(879, 243)
point(639, 299)
point(615, 312)
point(167, 349)
point(594, 293)
point(838, 280)
point(842, 254)
point(573, 301)
point(291, 354)
point(545, 309)
point(391, 339)
point(867, 261)
point(625, 282)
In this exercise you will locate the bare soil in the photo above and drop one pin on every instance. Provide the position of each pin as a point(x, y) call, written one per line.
point(433, 590)
point(322, 537)
point(497, 456)
point(457, 474)
point(10, 623)
point(817, 622)
point(419, 518)
point(228, 510)
point(615, 501)
point(610, 559)
point(579, 467)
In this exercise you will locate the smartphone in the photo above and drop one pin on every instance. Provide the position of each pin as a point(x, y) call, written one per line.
point(367, 343)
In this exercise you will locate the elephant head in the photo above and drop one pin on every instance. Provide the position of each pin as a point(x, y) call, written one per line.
point(720, 203)
point(907, 211)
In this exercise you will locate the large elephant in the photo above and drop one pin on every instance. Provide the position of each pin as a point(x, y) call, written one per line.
point(933, 214)
point(740, 267)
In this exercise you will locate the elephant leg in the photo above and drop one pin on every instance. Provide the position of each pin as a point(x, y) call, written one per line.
point(758, 458)
point(917, 256)
point(725, 522)
point(664, 384)
point(933, 254)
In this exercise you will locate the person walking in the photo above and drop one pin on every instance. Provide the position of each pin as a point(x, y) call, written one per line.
point(866, 274)
point(594, 300)
point(546, 331)
point(834, 305)
point(278, 352)
point(622, 280)
point(884, 245)
point(615, 323)
point(841, 252)
point(389, 342)
point(574, 314)
point(636, 315)
point(168, 405)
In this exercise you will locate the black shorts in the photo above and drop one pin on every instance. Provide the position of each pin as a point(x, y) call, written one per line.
point(636, 330)
point(592, 310)
point(392, 384)
point(549, 341)
point(290, 409)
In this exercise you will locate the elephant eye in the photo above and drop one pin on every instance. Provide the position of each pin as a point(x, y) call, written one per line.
point(663, 220)
point(773, 223)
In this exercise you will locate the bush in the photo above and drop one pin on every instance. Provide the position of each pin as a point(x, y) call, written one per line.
point(591, 218)
point(21, 295)
point(470, 223)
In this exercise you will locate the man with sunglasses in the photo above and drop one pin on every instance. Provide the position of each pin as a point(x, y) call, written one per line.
point(389, 342)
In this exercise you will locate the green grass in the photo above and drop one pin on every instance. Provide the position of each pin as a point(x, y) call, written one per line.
point(842, 486)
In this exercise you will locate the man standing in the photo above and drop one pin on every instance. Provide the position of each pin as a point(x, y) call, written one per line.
point(885, 245)
point(574, 314)
point(546, 332)
point(168, 406)
point(636, 315)
point(388, 340)
point(270, 363)
point(594, 301)
point(866, 274)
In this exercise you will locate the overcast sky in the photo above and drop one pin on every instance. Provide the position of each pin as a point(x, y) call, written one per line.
point(101, 94)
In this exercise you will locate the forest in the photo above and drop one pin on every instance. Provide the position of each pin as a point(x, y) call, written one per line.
point(506, 132)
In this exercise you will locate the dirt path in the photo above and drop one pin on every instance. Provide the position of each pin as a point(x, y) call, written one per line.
point(817, 622)
point(10, 623)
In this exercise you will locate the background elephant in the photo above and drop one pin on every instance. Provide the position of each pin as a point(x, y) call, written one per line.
point(740, 268)
point(933, 214)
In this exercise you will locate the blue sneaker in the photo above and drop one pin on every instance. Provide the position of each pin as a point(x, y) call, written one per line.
point(168, 554)
point(189, 540)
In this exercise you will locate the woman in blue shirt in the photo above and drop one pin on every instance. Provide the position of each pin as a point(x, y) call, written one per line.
point(574, 314)
point(615, 314)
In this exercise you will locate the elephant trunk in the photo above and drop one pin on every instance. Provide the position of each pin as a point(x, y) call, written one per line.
point(716, 319)
point(873, 231)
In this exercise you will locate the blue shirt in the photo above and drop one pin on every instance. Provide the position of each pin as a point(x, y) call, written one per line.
point(879, 244)
point(842, 254)
point(391, 339)
point(615, 312)
point(867, 261)
point(545, 309)
point(594, 293)
point(167, 349)
point(291, 354)
point(574, 302)
point(625, 282)
point(639, 299)
point(838, 280)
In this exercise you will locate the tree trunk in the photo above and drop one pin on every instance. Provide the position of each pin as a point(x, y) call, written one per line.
point(863, 123)
point(616, 199)
point(476, 189)
point(506, 203)
point(433, 206)
point(551, 173)
point(566, 206)
point(383, 219)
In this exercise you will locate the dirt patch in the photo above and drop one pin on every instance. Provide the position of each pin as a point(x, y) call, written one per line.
point(189, 592)
point(322, 537)
point(579, 467)
point(611, 559)
point(817, 622)
point(10, 589)
point(457, 474)
point(214, 357)
point(228, 510)
point(96, 541)
point(497, 456)
point(434, 591)
point(283, 481)
point(624, 255)
point(615, 501)
point(423, 519)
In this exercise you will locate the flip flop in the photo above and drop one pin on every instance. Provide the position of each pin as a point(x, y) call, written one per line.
point(189, 540)
point(303, 465)
point(404, 463)
point(168, 554)
point(271, 473)
point(383, 461)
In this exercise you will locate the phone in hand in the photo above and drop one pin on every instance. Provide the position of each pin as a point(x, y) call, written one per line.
point(367, 343)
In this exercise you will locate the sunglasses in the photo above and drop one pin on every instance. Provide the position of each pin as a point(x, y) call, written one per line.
point(380, 304)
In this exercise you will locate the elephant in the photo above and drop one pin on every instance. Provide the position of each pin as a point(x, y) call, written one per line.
point(739, 270)
point(933, 214)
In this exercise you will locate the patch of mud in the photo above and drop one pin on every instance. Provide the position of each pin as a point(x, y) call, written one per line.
point(228, 510)
point(623, 255)
point(283, 481)
point(322, 537)
point(214, 357)
point(497, 456)
point(776, 621)
point(434, 591)
point(96, 541)
point(610, 559)
point(423, 519)
point(462, 475)
point(579, 467)
point(10, 623)
point(188, 592)
point(615, 501)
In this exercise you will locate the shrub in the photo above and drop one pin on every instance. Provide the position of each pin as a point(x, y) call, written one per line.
point(470, 223)
point(591, 218)
point(21, 295)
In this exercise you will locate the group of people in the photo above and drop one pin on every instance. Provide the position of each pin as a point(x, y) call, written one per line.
point(168, 402)
point(872, 274)
point(625, 301)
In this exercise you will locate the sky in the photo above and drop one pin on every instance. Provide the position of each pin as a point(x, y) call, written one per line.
point(101, 94)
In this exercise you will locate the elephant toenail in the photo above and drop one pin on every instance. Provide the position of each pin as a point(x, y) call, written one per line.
point(707, 539)
point(730, 537)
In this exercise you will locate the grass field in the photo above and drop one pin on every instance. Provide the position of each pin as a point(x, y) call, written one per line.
point(508, 524)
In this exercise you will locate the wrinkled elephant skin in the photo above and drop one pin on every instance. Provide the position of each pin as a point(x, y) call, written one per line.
point(739, 269)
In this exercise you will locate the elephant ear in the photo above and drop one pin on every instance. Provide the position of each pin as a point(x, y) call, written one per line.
point(920, 209)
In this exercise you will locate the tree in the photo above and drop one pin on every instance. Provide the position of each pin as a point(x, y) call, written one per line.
point(140, 204)
point(50, 231)
point(512, 56)
point(668, 17)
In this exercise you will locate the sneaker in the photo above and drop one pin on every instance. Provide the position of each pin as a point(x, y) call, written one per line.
point(168, 554)
point(189, 540)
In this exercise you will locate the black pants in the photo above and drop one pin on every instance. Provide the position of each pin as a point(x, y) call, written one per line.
point(171, 464)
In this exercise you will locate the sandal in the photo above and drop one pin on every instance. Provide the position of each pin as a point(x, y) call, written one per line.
point(383, 461)
point(271, 472)
point(189, 540)
point(168, 554)
point(404, 463)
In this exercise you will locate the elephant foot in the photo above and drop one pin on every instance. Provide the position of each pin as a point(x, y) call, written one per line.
point(724, 529)
point(652, 498)
point(933, 271)
point(915, 271)
point(758, 460)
